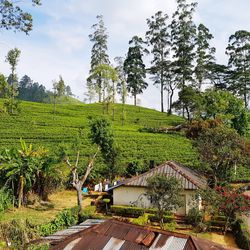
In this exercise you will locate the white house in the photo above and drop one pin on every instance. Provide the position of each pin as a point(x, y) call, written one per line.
point(132, 191)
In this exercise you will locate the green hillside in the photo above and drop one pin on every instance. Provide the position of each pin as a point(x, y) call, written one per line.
point(38, 125)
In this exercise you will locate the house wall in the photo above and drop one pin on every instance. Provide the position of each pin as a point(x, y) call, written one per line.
point(136, 196)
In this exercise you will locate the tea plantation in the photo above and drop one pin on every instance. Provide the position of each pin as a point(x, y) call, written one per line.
point(38, 125)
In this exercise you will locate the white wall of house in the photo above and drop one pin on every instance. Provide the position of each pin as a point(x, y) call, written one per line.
point(136, 196)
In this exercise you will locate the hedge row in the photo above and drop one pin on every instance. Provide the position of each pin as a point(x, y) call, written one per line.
point(134, 212)
point(242, 236)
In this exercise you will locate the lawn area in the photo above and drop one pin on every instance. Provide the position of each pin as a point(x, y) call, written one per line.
point(225, 240)
point(45, 213)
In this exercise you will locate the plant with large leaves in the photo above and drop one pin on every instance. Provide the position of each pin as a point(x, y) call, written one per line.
point(20, 167)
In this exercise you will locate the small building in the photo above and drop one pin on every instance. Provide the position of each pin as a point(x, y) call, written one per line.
point(132, 191)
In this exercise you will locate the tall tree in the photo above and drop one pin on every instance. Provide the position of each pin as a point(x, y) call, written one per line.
point(204, 54)
point(98, 53)
point(59, 90)
point(221, 149)
point(12, 17)
point(190, 100)
point(4, 86)
point(238, 51)
point(158, 37)
point(121, 83)
point(135, 68)
point(102, 137)
point(183, 33)
point(12, 58)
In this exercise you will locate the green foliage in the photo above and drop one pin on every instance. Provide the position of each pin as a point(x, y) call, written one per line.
point(14, 18)
point(183, 33)
point(194, 216)
point(189, 100)
point(88, 213)
point(225, 106)
point(166, 218)
point(204, 55)
point(242, 236)
point(35, 125)
point(17, 233)
point(6, 199)
point(164, 192)
point(158, 38)
point(135, 69)
point(135, 212)
point(221, 149)
point(98, 56)
point(64, 219)
point(42, 246)
point(134, 168)
point(238, 51)
point(171, 226)
point(141, 220)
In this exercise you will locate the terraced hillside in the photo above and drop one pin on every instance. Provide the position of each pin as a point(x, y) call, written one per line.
point(38, 125)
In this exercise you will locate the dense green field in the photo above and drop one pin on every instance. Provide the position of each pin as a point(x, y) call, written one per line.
point(38, 125)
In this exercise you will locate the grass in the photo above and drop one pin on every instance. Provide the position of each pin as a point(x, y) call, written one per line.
point(40, 215)
point(38, 125)
point(225, 240)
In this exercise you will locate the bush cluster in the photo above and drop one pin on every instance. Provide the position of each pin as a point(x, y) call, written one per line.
point(64, 219)
point(242, 236)
point(134, 212)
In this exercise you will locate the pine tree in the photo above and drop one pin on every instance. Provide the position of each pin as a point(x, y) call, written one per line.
point(158, 37)
point(204, 55)
point(135, 68)
point(98, 53)
point(238, 51)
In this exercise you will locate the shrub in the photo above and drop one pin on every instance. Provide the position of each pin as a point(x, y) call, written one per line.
point(17, 233)
point(134, 212)
point(141, 220)
point(43, 246)
point(171, 226)
point(194, 216)
point(65, 218)
point(166, 218)
point(88, 213)
point(242, 236)
point(5, 199)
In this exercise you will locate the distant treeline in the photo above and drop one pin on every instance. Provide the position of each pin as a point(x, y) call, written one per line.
point(30, 90)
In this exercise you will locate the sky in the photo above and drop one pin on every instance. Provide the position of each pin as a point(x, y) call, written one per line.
point(59, 43)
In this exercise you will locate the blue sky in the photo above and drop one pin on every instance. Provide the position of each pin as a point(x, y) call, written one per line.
point(59, 42)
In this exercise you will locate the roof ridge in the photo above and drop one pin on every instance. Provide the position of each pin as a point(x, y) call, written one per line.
point(177, 168)
point(140, 175)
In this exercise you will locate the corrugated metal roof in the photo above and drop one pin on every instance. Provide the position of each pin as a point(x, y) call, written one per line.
point(189, 178)
point(116, 235)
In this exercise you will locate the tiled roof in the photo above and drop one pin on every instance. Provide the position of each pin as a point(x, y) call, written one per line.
point(116, 235)
point(189, 179)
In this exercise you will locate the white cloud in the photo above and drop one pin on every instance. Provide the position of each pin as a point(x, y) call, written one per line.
point(59, 43)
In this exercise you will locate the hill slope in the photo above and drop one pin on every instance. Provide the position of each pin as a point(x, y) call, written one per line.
point(38, 125)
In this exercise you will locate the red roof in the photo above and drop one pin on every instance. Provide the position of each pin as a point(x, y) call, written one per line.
point(117, 235)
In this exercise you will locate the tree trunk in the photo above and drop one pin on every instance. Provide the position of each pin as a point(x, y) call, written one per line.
point(171, 101)
point(135, 100)
point(20, 191)
point(54, 111)
point(162, 105)
point(79, 196)
point(123, 115)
